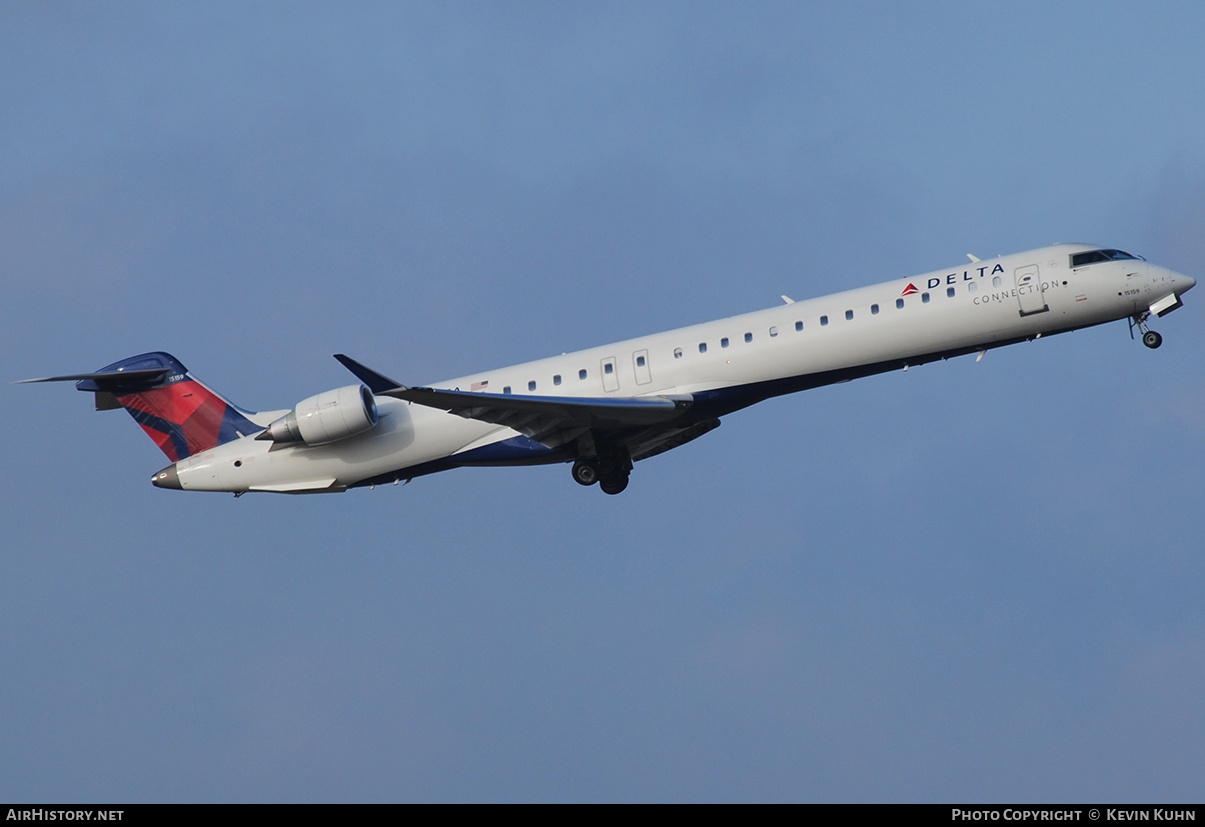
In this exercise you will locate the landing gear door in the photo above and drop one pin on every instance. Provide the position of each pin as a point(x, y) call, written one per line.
point(1029, 290)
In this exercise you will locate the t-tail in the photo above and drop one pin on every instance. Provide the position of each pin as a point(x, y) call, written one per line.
point(180, 414)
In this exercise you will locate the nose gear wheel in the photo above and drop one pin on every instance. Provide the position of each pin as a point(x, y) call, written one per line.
point(1149, 337)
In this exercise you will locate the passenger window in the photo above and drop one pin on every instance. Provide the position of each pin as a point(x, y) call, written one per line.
point(609, 368)
point(581, 374)
point(506, 389)
point(677, 353)
point(531, 386)
point(724, 342)
point(773, 331)
point(950, 292)
point(798, 326)
point(849, 314)
point(924, 297)
point(874, 310)
point(556, 380)
point(899, 304)
point(996, 281)
point(702, 347)
point(972, 287)
point(639, 361)
point(748, 337)
point(823, 321)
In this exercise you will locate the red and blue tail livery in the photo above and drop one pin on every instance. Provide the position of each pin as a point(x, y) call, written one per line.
point(607, 408)
point(181, 415)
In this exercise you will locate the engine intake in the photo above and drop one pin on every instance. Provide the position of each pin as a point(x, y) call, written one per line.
point(327, 417)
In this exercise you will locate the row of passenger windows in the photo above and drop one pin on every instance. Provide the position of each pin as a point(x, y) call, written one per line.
point(972, 287)
point(609, 367)
point(557, 378)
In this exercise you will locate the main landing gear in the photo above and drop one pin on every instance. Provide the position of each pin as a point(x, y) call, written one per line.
point(1149, 337)
point(611, 473)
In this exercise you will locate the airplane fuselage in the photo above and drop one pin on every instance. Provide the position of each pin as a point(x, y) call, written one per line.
point(720, 366)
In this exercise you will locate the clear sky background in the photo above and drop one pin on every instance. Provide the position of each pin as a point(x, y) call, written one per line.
point(966, 582)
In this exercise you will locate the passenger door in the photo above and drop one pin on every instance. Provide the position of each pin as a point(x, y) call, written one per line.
point(640, 364)
point(1029, 290)
point(610, 375)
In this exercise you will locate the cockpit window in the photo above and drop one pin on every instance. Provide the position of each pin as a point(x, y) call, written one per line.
point(1093, 256)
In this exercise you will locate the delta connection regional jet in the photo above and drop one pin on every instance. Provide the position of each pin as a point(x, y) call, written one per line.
point(607, 408)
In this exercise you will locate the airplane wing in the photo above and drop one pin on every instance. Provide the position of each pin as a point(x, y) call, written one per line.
point(551, 420)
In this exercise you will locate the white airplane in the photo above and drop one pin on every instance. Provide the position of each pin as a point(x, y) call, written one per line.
point(606, 408)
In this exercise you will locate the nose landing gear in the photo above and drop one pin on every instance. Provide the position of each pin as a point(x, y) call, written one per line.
point(1149, 337)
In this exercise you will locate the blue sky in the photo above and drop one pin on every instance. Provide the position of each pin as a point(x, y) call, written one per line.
point(967, 582)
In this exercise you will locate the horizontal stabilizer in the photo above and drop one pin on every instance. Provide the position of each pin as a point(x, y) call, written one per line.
point(115, 378)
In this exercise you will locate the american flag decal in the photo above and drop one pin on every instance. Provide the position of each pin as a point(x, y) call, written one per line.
point(479, 386)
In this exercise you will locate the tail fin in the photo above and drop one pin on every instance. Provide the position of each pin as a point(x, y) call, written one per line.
point(180, 414)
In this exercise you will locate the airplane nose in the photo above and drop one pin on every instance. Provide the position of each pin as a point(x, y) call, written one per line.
point(167, 478)
point(1189, 283)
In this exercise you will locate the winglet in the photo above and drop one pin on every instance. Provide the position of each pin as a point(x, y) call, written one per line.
point(375, 381)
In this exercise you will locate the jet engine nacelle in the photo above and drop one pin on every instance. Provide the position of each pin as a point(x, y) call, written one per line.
point(327, 417)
